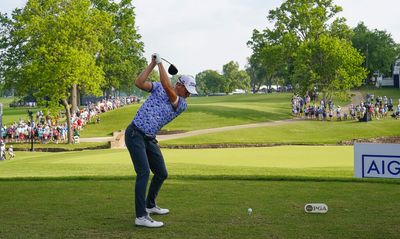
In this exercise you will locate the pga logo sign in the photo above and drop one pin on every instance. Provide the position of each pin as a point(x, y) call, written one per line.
point(377, 160)
point(316, 208)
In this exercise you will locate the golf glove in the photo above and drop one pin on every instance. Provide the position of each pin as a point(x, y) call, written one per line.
point(156, 57)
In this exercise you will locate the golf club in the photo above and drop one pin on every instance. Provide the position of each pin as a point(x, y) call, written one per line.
point(171, 69)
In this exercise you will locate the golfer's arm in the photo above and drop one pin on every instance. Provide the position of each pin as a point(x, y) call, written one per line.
point(141, 82)
point(166, 84)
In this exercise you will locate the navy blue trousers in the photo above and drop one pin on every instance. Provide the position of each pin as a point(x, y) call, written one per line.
point(146, 155)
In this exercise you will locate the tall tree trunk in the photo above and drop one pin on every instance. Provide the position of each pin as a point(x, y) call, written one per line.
point(74, 97)
point(78, 98)
point(68, 115)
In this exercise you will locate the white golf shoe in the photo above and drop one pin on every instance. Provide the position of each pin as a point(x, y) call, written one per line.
point(147, 221)
point(157, 210)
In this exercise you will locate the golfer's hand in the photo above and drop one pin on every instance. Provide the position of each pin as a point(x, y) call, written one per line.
point(156, 58)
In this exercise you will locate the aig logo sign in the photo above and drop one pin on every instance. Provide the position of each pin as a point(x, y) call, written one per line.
point(381, 166)
point(377, 160)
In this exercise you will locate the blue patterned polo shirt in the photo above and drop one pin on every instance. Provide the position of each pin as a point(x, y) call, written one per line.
point(157, 111)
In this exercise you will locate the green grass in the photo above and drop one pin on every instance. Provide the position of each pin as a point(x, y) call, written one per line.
point(89, 194)
point(199, 209)
point(11, 115)
point(61, 146)
point(388, 92)
point(111, 121)
point(293, 161)
point(204, 112)
point(302, 132)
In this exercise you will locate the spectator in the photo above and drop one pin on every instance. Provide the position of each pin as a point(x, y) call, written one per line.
point(11, 152)
point(2, 150)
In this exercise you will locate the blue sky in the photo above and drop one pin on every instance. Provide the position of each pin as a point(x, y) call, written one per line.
point(199, 35)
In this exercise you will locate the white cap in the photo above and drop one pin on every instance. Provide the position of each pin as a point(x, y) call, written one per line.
point(189, 82)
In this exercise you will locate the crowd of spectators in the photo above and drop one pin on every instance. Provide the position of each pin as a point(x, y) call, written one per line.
point(372, 108)
point(46, 129)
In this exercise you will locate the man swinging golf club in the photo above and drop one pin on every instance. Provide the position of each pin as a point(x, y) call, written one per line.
point(163, 105)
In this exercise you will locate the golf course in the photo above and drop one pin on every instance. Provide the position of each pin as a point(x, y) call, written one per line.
point(213, 179)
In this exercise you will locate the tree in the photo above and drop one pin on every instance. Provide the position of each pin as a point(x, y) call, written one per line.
point(378, 47)
point(209, 81)
point(57, 42)
point(298, 25)
point(267, 66)
point(234, 78)
point(329, 65)
point(299, 21)
point(121, 57)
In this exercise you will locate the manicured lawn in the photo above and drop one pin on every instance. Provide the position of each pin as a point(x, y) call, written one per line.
point(200, 209)
point(316, 162)
point(110, 122)
point(61, 146)
point(302, 132)
point(388, 92)
point(204, 112)
point(89, 194)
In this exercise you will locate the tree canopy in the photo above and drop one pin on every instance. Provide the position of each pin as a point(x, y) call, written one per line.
point(50, 47)
point(121, 57)
point(378, 47)
point(286, 49)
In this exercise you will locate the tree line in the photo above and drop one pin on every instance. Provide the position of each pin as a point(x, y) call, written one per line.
point(310, 48)
point(313, 49)
point(57, 49)
point(52, 49)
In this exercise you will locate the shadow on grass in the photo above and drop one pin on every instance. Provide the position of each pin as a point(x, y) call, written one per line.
point(213, 177)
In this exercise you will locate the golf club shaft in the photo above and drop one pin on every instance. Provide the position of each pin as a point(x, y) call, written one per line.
point(166, 61)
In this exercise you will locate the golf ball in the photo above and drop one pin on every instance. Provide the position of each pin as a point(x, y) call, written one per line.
point(249, 211)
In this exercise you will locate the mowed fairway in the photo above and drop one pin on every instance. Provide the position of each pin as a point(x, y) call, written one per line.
point(307, 132)
point(89, 194)
point(203, 113)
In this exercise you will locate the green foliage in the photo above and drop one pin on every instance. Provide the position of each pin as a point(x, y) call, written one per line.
point(266, 66)
point(121, 57)
point(284, 51)
point(58, 42)
point(234, 78)
point(378, 47)
point(329, 65)
point(210, 81)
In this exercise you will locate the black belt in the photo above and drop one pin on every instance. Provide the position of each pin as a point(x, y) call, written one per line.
point(145, 136)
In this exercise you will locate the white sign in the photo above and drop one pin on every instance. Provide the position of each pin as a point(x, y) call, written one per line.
point(316, 208)
point(377, 160)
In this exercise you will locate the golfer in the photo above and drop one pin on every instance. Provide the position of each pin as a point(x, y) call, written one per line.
point(162, 106)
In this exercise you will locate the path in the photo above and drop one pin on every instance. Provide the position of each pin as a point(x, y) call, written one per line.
point(355, 100)
point(117, 141)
